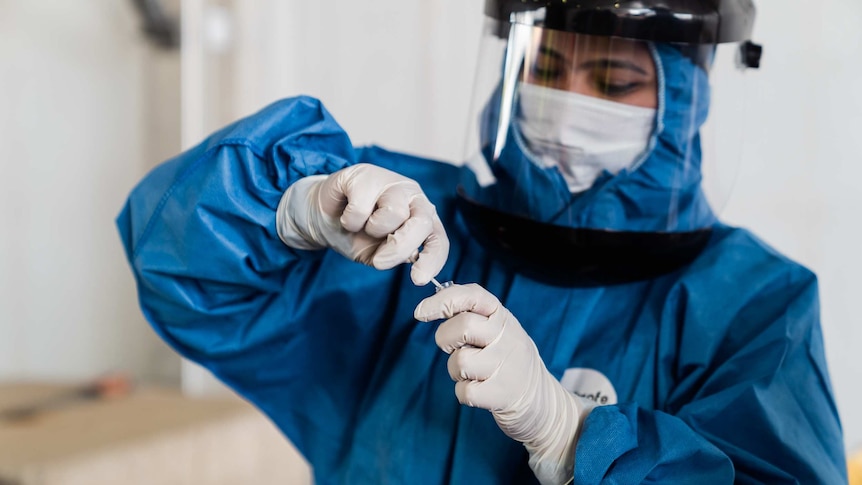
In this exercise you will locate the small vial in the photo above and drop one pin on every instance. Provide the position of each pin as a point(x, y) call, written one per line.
point(439, 287)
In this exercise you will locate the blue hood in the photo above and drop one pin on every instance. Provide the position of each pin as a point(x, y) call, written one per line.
point(661, 193)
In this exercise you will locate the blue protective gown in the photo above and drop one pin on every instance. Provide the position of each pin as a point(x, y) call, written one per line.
point(719, 367)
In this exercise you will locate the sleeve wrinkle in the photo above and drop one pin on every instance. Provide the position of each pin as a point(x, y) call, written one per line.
point(183, 176)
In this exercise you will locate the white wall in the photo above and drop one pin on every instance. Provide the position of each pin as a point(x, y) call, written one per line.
point(81, 120)
point(798, 185)
point(392, 72)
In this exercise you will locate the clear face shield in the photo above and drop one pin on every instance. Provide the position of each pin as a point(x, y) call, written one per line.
point(593, 157)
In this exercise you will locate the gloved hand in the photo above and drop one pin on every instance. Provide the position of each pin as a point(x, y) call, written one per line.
point(497, 367)
point(368, 214)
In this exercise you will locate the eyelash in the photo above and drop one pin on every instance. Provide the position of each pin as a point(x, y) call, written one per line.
point(546, 74)
point(617, 89)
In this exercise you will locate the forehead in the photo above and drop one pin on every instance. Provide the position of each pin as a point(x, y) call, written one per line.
point(571, 43)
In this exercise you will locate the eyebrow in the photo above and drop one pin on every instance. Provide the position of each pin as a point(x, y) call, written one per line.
point(551, 53)
point(601, 63)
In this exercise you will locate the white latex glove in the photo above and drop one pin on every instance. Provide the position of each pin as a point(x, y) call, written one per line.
point(368, 214)
point(497, 367)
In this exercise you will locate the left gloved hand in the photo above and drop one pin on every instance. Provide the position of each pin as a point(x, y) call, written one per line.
point(368, 214)
point(496, 366)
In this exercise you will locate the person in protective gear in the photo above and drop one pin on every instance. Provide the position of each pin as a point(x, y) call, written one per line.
point(609, 329)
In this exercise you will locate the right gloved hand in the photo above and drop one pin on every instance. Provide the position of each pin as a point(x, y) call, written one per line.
point(496, 366)
point(368, 214)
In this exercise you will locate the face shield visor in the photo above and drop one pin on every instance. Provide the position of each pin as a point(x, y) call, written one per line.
point(593, 157)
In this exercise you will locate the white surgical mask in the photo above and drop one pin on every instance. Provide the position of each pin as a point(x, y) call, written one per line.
point(582, 135)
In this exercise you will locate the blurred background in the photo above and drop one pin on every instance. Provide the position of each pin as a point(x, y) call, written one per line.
point(95, 93)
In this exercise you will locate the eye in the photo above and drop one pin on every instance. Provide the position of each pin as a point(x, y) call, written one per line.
point(547, 68)
point(616, 84)
point(549, 65)
point(617, 89)
point(546, 73)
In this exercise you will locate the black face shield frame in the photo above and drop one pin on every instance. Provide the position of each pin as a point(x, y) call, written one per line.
point(671, 21)
point(695, 25)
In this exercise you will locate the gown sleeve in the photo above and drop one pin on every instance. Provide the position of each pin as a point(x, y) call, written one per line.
point(753, 402)
point(216, 282)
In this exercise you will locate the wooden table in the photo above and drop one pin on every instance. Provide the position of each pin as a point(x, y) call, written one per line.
point(153, 436)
